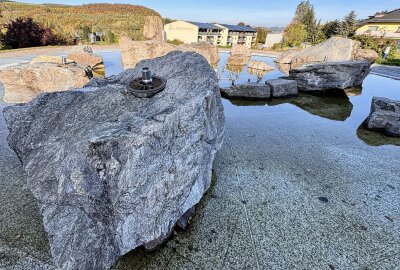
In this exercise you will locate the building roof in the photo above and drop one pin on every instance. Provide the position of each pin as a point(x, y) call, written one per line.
point(239, 28)
point(205, 25)
point(390, 17)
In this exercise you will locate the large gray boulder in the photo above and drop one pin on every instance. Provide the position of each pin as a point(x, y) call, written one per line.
point(112, 172)
point(330, 75)
point(249, 91)
point(335, 49)
point(385, 116)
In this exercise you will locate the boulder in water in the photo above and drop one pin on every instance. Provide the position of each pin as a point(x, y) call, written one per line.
point(112, 172)
point(385, 116)
point(330, 75)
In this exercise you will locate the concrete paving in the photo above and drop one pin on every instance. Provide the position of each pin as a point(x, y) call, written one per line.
point(291, 190)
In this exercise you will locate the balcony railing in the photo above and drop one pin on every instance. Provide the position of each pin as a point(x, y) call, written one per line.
point(209, 33)
point(379, 34)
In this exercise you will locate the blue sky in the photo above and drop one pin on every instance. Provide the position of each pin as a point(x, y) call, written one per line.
point(254, 12)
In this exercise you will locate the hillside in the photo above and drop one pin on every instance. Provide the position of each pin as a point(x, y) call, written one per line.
point(65, 20)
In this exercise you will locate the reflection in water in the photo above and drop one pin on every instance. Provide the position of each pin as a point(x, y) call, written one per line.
point(354, 91)
point(375, 138)
point(243, 102)
point(283, 67)
point(234, 72)
point(99, 71)
point(333, 104)
point(257, 72)
point(237, 60)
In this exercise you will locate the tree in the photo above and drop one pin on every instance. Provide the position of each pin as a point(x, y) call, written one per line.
point(305, 15)
point(261, 35)
point(294, 34)
point(241, 24)
point(110, 37)
point(84, 32)
point(24, 32)
point(331, 28)
point(349, 24)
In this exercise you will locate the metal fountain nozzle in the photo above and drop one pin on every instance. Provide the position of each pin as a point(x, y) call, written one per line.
point(146, 76)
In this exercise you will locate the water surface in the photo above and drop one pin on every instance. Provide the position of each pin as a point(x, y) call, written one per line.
point(346, 110)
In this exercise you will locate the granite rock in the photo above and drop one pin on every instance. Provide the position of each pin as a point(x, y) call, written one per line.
point(330, 75)
point(112, 172)
point(385, 116)
point(132, 52)
point(24, 82)
point(249, 91)
point(153, 28)
point(335, 49)
point(283, 88)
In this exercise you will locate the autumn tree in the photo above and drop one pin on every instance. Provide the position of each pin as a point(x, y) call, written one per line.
point(294, 34)
point(24, 32)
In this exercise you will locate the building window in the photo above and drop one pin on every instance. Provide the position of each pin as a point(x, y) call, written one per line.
point(372, 28)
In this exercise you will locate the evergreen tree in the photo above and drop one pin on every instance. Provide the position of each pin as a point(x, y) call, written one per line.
point(305, 15)
point(349, 24)
point(332, 28)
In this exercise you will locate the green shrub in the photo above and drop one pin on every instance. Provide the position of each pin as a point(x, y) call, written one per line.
point(278, 46)
point(378, 44)
point(175, 41)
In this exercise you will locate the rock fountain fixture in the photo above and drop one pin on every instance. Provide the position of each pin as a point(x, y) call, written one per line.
point(146, 86)
point(111, 171)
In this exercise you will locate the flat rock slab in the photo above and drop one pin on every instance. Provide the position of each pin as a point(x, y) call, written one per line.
point(250, 91)
point(112, 172)
point(330, 75)
point(385, 116)
point(283, 87)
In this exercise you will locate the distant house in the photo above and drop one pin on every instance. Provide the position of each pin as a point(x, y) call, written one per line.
point(385, 25)
point(95, 37)
point(237, 34)
point(77, 38)
point(273, 38)
point(215, 34)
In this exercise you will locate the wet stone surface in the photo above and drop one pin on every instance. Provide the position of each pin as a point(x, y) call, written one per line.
point(278, 159)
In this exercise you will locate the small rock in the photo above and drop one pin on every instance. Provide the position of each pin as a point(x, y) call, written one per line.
point(385, 116)
point(249, 91)
point(323, 199)
point(283, 88)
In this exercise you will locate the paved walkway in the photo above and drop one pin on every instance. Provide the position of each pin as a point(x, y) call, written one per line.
point(392, 72)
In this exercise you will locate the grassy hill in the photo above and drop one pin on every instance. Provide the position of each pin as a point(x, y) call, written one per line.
point(65, 20)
